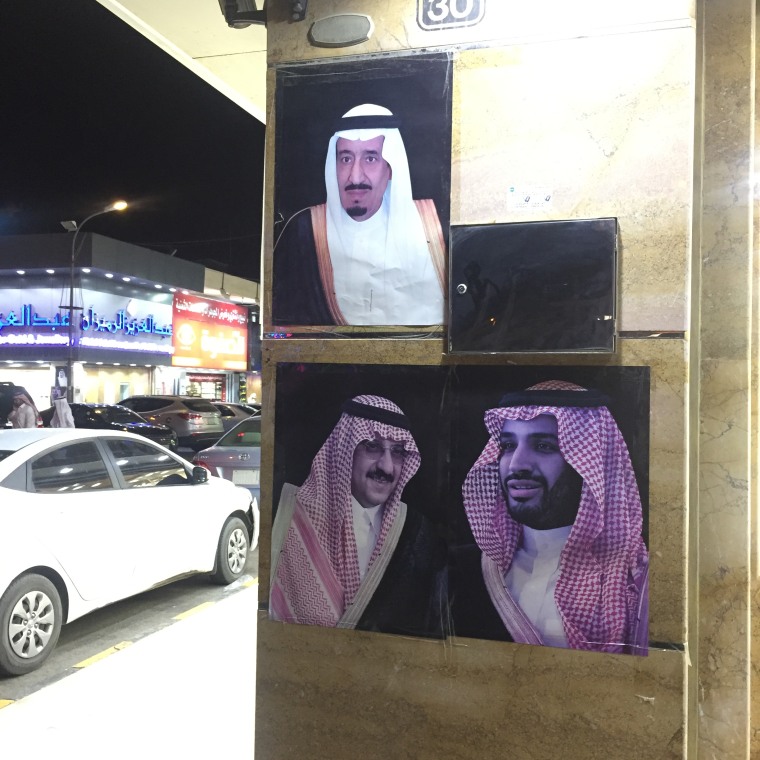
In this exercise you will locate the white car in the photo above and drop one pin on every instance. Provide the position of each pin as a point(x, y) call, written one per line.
point(89, 517)
point(236, 456)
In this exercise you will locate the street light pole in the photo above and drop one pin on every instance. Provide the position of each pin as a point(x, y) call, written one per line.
point(117, 206)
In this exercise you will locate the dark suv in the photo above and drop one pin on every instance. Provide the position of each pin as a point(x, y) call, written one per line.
point(115, 417)
point(196, 421)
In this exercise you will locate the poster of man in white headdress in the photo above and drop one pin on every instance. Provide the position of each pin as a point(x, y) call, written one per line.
point(362, 179)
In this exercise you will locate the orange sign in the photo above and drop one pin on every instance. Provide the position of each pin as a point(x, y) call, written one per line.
point(209, 334)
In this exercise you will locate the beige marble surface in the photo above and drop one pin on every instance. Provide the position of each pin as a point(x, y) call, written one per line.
point(416, 699)
point(725, 252)
point(397, 28)
point(604, 126)
point(755, 462)
point(755, 669)
point(724, 570)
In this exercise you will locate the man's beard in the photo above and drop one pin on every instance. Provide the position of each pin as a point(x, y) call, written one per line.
point(353, 211)
point(559, 504)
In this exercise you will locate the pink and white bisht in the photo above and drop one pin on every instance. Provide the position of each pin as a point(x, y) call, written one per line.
point(602, 590)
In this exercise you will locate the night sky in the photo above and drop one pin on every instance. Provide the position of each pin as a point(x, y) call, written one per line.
point(91, 111)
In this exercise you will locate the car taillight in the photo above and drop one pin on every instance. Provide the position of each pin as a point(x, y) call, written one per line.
point(190, 416)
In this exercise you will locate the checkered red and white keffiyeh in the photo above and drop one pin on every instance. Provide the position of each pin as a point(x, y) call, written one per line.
point(317, 574)
point(605, 559)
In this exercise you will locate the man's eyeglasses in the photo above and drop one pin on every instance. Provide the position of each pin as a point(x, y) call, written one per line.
point(375, 449)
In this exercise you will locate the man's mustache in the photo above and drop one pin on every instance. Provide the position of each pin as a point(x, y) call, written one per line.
point(359, 186)
point(377, 474)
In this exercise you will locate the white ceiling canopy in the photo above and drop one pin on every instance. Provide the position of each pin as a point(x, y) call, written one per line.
point(195, 33)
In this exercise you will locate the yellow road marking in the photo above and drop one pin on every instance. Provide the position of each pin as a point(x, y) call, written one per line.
point(192, 611)
point(5, 703)
point(102, 655)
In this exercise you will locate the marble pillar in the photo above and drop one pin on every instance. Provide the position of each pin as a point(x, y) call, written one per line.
point(721, 318)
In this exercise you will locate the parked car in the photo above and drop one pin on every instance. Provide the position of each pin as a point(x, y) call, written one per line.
point(89, 517)
point(236, 456)
point(232, 413)
point(196, 421)
point(116, 417)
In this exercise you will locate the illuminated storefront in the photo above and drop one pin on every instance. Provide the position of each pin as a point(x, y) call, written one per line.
point(211, 344)
point(117, 340)
point(141, 323)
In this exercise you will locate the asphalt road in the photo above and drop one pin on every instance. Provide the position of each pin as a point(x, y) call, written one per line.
point(123, 623)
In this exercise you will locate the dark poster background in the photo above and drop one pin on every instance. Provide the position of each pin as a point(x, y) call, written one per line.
point(311, 97)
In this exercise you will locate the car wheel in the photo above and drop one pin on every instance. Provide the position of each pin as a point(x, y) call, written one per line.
point(232, 552)
point(30, 622)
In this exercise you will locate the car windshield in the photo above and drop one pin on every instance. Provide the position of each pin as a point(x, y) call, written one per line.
point(4, 454)
point(199, 405)
point(123, 415)
point(247, 433)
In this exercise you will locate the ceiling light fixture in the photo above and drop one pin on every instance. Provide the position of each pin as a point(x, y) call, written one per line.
point(242, 13)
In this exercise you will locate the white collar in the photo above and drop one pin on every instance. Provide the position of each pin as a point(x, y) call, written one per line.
point(550, 541)
point(367, 515)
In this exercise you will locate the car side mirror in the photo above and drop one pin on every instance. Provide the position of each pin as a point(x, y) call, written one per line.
point(200, 475)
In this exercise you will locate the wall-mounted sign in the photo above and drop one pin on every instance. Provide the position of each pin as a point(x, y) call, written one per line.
point(433, 15)
point(209, 334)
point(35, 317)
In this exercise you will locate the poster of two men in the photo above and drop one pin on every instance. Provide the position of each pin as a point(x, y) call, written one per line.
point(505, 503)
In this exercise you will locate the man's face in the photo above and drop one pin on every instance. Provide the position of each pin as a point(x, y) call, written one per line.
point(541, 490)
point(376, 470)
point(363, 175)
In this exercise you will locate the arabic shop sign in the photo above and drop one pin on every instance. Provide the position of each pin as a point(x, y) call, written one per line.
point(209, 334)
point(91, 320)
point(123, 323)
point(35, 317)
